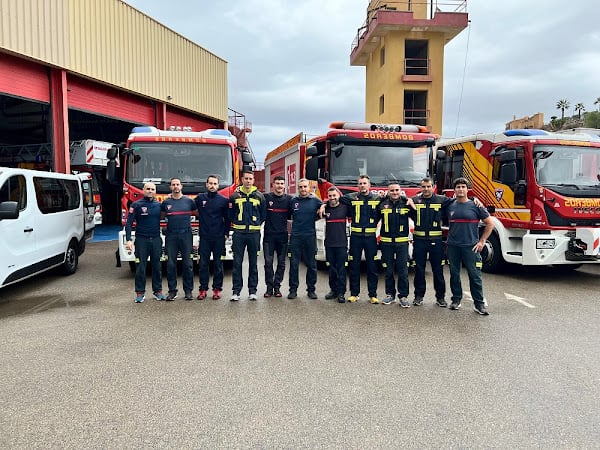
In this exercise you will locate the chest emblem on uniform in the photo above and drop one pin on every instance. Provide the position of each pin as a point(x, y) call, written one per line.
point(144, 209)
point(499, 194)
point(296, 205)
point(270, 203)
point(169, 207)
point(203, 203)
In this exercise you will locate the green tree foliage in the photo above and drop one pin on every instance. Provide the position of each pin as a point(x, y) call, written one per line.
point(579, 108)
point(592, 119)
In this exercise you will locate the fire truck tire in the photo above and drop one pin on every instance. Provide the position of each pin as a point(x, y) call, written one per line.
point(491, 255)
point(69, 267)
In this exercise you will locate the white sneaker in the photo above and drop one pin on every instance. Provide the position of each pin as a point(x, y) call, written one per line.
point(235, 298)
point(252, 297)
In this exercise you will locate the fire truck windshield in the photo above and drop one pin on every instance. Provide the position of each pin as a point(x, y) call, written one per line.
point(570, 166)
point(383, 164)
point(158, 162)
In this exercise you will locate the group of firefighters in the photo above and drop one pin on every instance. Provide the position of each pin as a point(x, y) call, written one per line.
point(247, 210)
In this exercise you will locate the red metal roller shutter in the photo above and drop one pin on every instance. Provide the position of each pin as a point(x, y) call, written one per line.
point(24, 78)
point(178, 117)
point(106, 101)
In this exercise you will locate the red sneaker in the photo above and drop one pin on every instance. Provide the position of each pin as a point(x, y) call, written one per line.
point(216, 294)
point(202, 294)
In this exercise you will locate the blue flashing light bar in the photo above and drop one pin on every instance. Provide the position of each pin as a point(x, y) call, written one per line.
point(143, 129)
point(219, 132)
point(526, 132)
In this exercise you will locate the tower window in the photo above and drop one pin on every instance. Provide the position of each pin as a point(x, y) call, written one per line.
point(382, 56)
point(381, 104)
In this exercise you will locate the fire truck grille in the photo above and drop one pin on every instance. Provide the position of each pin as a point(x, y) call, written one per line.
point(579, 219)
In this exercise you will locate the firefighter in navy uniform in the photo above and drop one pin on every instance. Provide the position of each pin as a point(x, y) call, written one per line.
point(363, 236)
point(275, 238)
point(247, 212)
point(427, 241)
point(394, 211)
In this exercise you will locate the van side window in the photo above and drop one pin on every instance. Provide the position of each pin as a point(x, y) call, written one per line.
point(14, 190)
point(54, 195)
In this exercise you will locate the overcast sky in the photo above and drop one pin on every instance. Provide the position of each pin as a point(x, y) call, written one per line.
point(289, 61)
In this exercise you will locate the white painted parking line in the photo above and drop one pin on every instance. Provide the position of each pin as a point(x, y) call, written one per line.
point(518, 300)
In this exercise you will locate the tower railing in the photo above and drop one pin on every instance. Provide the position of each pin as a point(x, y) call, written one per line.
point(434, 6)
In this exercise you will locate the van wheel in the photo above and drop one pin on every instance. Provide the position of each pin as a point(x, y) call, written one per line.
point(71, 259)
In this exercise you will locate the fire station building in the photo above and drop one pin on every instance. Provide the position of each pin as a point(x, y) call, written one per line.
point(79, 69)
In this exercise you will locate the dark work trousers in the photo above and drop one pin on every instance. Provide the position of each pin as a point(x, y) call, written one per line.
point(180, 243)
point(357, 245)
point(144, 247)
point(395, 259)
point(216, 247)
point(241, 241)
point(305, 247)
point(472, 262)
point(277, 243)
point(337, 258)
point(421, 249)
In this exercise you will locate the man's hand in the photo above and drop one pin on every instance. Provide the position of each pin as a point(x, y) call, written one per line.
point(321, 210)
point(477, 202)
point(129, 245)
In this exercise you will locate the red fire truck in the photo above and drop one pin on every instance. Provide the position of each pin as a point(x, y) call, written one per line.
point(385, 152)
point(542, 189)
point(153, 155)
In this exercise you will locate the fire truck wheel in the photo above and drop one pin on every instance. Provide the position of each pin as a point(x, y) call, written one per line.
point(491, 255)
point(69, 267)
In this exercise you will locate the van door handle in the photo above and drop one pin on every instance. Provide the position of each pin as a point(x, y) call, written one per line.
point(28, 230)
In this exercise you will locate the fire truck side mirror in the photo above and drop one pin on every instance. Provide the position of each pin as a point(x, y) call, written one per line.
point(112, 152)
point(246, 157)
point(111, 171)
point(312, 151)
point(508, 173)
point(312, 168)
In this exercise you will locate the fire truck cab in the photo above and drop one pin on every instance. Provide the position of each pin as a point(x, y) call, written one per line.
point(541, 188)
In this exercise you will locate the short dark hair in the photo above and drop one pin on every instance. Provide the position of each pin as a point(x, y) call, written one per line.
point(427, 180)
point(461, 180)
point(245, 171)
point(212, 176)
point(364, 175)
point(278, 178)
point(333, 188)
point(175, 178)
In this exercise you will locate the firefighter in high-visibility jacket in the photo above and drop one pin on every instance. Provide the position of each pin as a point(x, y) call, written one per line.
point(363, 237)
point(393, 242)
point(247, 212)
point(427, 241)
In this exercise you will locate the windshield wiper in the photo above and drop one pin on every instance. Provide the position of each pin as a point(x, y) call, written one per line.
point(564, 185)
point(401, 181)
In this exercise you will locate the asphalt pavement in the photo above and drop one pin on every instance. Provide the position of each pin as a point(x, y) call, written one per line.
point(85, 367)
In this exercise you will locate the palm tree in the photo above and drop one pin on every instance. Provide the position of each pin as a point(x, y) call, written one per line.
point(562, 105)
point(579, 108)
point(597, 102)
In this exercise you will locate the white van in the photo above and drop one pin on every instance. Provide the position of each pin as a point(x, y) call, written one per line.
point(45, 220)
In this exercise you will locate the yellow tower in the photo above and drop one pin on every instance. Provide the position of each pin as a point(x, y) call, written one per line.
point(402, 46)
